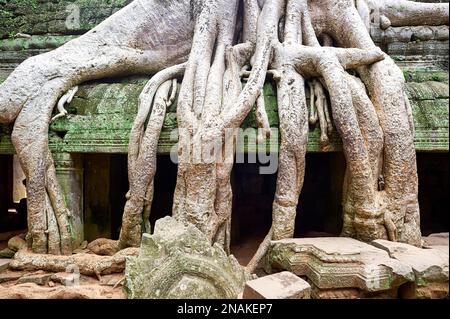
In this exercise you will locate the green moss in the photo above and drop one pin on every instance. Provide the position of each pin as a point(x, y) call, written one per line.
point(424, 75)
point(103, 112)
point(41, 17)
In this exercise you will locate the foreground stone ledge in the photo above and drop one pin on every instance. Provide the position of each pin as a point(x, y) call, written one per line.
point(284, 285)
point(340, 267)
point(437, 240)
point(430, 268)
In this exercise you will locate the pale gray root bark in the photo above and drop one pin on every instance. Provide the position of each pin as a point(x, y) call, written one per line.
point(156, 97)
point(30, 93)
point(88, 264)
point(319, 112)
point(206, 110)
point(143, 170)
point(398, 13)
point(329, 64)
point(398, 201)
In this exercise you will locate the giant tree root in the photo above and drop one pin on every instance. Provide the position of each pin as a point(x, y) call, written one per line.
point(399, 13)
point(30, 93)
point(87, 264)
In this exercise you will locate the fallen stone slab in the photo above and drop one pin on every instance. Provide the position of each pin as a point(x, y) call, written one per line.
point(429, 265)
point(74, 279)
point(441, 239)
point(4, 263)
point(339, 264)
point(64, 278)
point(284, 285)
point(430, 268)
point(114, 280)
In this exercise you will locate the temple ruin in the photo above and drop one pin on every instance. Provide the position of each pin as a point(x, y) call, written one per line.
point(251, 149)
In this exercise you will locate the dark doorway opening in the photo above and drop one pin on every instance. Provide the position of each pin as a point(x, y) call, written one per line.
point(13, 202)
point(320, 204)
point(433, 170)
point(318, 213)
point(105, 188)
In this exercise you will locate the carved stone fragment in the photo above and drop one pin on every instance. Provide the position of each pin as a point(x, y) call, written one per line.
point(177, 262)
point(344, 267)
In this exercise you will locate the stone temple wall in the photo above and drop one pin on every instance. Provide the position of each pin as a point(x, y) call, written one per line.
point(102, 112)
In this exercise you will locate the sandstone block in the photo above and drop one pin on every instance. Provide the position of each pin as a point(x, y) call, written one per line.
point(284, 285)
point(430, 268)
point(340, 264)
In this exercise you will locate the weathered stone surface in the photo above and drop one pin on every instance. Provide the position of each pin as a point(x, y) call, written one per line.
point(4, 263)
point(432, 290)
point(33, 291)
point(71, 279)
point(317, 293)
point(38, 279)
point(284, 285)
point(430, 268)
point(112, 280)
point(340, 263)
point(416, 46)
point(61, 16)
point(429, 265)
point(69, 172)
point(178, 262)
point(437, 240)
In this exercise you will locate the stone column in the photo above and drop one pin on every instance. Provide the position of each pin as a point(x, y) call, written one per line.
point(69, 171)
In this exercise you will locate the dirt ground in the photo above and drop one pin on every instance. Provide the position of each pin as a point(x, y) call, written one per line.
point(42, 285)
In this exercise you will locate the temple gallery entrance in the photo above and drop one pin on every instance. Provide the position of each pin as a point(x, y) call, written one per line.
point(105, 184)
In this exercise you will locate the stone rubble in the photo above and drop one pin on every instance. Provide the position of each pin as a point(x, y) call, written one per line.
point(318, 268)
point(284, 285)
point(345, 268)
point(430, 268)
